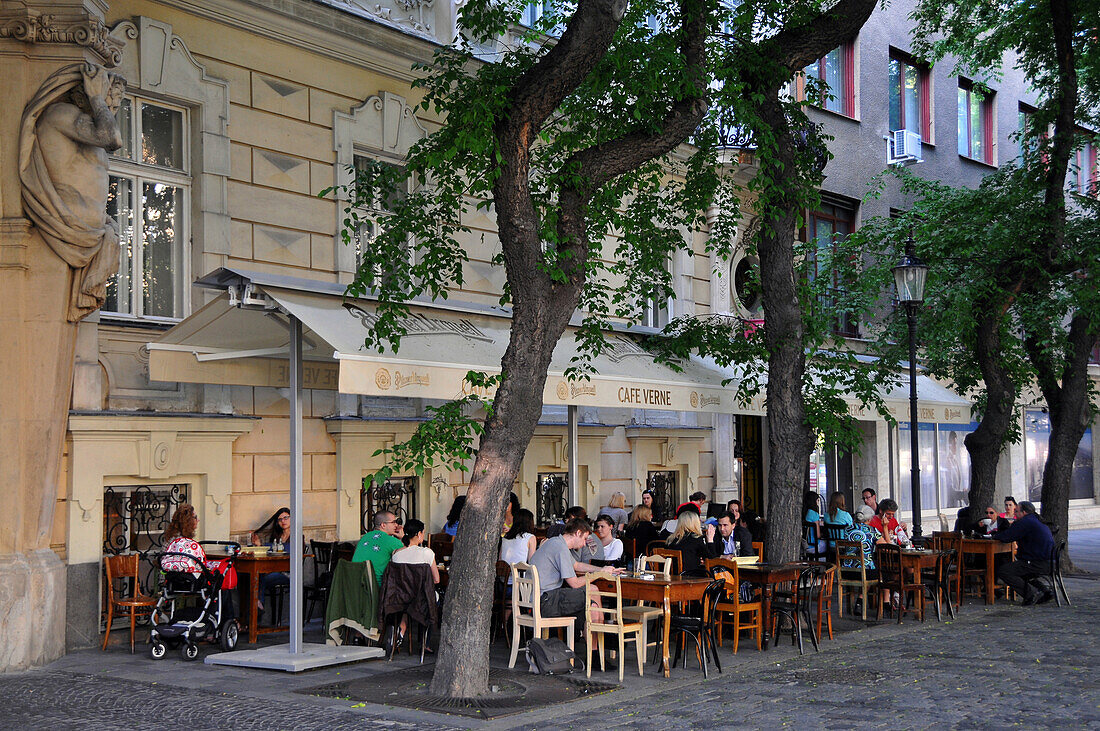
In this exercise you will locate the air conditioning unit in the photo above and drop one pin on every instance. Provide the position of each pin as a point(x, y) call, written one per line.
point(903, 146)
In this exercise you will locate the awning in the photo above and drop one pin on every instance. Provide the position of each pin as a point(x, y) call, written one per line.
point(242, 337)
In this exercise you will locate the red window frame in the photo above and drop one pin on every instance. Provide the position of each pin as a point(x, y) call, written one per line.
point(1085, 180)
point(847, 92)
point(987, 123)
point(924, 85)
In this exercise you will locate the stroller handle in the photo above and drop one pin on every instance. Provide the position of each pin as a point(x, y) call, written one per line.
point(232, 544)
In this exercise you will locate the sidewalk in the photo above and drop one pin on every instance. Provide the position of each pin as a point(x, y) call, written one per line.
point(978, 671)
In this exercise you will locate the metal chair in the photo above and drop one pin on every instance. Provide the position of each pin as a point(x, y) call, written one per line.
point(324, 559)
point(700, 627)
point(1057, 586)
point(810, 537)
point(797, 605)
point(120, 569)
point(891, 578)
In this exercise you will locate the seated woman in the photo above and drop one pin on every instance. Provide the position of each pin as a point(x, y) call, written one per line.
point(688, 539)
point(275, 534)
point(612, 546)
point(640, 529)
point(616, 509)
point(510, 511)
point(867, 536)
point(518, 544)
point(179, 537)
point(414, 552)
point(451, 526)
point(991, 523)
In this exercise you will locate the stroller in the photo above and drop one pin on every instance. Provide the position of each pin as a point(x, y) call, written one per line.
point(208, 616)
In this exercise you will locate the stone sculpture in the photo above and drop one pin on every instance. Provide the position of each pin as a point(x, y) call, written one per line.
point(66, 132)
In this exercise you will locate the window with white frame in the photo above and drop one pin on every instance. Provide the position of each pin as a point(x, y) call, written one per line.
point(149, 198)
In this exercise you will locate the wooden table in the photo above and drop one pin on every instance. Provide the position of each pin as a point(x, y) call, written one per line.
point(664, 592)
point(987, 547)
point(253, 566)
point(768, 576)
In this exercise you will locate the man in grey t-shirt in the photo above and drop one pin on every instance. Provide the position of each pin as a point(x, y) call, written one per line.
point(562, 588)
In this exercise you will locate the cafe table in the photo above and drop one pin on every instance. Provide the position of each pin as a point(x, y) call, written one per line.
point(253, 566)
point(767, 576)
point(663, 592)
point(988, 547)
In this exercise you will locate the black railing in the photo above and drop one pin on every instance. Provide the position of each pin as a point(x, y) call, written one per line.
point(553, 488)
point(665, 486)
point(397, 495)
point(134, 520)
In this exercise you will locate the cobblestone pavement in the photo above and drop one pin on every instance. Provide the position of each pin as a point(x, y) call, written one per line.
point(994, 667)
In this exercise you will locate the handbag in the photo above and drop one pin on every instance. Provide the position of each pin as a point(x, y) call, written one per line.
point(549, 657)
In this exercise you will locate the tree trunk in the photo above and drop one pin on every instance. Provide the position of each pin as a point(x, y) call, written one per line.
point(462, 669)
point(986, 443)
point(790, 439)
point(1067, 399)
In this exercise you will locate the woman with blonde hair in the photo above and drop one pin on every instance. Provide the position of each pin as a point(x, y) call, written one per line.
point(688, 539)
point(616, 510)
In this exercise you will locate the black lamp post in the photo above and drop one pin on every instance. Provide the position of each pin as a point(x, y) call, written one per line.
point(909, 276)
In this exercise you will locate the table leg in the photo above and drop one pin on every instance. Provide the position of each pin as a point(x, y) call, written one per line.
point(666, 605)
point(767, 592)
point(253, 593)
point(989, 577)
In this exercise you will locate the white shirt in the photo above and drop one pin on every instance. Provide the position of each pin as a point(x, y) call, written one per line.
point(413, 554)
point(613, 551)
point(514, 550)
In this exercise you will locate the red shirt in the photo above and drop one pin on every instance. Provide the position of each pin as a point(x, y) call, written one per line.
point(876, 523)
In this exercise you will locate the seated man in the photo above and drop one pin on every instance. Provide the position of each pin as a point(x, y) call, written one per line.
point(1034, 544)
point(378, 545)
point(754, 522)
point(557, 528)
point(731, 538)
point(559, 573)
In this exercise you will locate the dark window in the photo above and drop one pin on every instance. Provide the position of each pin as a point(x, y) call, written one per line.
point(830, 223)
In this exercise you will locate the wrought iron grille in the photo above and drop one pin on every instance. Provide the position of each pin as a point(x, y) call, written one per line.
point(665, 486)
point(553, 489)
point(397, 495)
point(134, 519)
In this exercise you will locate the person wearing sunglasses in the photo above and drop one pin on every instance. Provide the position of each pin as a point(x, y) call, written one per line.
point(378, 545)
point(990, 522)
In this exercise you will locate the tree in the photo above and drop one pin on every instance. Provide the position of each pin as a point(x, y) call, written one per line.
point(569, 141)
point(1054, 44)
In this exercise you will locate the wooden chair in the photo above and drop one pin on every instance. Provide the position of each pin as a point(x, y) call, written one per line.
point(611, 621)
point(442, 546)
point(676, 556)
point(853, 576)
point(812, 537)
point(527, 609)
point(825, 602)
point(731, 606)
point(646, 613)
point(951, 541)
point(131, 601)
point(758, 549)
point(892, 578)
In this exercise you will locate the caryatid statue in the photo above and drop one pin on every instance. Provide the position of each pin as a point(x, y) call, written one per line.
point(67, 130)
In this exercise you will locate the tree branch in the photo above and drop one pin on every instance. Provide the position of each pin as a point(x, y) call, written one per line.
point(796, 47)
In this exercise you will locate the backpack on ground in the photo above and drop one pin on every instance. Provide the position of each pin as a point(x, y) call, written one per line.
point(550, 657)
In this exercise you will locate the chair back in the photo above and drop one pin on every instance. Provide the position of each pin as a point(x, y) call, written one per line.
point(443, 546)
point(852, 552)
point(526, 594)
point(834, 533)
point(343, 550)
point(654, 545)
point(628, 548)
point(809, 586)
point(661, 565)
point(888, 560)
point(726, 570)
point(716, 591)
point(758, 549)
point(608, 602)
point(324, 556)
point(676, 556)
point(118, 568)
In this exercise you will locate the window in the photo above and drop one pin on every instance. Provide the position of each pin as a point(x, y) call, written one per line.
point(1036, 449)
point(1082, 178)
point(372, 217)
point(975, 122)
point(909, 97)
point(1026, 141)
point(833, 220)
point(533, 13)
point(149, 197)
point(836, 71)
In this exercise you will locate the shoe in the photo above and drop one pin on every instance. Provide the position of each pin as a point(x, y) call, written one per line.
point(1046, 597)
point(1030, 600)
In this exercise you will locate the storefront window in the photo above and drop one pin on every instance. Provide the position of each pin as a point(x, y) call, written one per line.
point(926, 441)
point(954, 465)
point(1037, 444)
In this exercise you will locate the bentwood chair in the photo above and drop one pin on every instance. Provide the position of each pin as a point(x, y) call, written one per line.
point(527, 609)
point(120, 570)
point(730, 608)
point(700, 627)
point(609, 605)
point(796, 607)
point(892, 579)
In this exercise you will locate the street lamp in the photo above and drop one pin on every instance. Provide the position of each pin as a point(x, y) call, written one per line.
point(909, 276)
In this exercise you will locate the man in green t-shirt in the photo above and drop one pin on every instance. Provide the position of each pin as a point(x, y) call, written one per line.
point(378, 545)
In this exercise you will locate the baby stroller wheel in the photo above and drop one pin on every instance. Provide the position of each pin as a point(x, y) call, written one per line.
point(158, 650)
point(229, 634)
point(189, 651)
